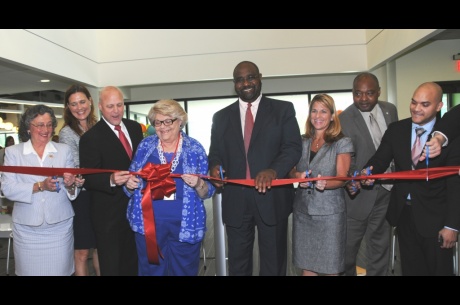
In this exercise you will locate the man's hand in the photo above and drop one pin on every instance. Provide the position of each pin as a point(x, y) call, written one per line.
point(447, 238)
point(120, 178)
point(353, 187)
point(367, 182)
point(215, 173)
point(434, 146)
point(263, 180)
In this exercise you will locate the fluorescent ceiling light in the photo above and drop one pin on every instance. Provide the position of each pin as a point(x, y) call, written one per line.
point(21, 102)
point(10, 111)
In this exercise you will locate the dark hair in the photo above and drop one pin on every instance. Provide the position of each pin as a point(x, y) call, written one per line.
point(69, 119)
point(8, 138)
point(245, 63)
point(29, 115)
point(365, 75)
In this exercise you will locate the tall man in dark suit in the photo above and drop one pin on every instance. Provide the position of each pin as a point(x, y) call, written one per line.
point(426, 213)
point(366, 210)
point(274, 149)
point(101, 147)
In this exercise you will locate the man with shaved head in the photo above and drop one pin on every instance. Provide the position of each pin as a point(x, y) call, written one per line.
point(426, 213)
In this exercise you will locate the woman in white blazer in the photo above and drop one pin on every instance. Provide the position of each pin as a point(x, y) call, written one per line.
point(42, 212)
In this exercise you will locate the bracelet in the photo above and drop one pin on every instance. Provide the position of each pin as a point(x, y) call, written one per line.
point(71, 188)
point(40, 187)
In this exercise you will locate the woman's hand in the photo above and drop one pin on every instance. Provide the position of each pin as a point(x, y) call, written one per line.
point(191, 180)
point(320, 184)
point(69, 180)
point(302, 175)
point(132, 183)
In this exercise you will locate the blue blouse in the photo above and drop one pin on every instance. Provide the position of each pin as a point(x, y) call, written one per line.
point(193, 160)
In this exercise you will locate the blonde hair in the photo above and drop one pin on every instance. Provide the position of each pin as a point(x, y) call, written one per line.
point(334, 130)
point(169, 108)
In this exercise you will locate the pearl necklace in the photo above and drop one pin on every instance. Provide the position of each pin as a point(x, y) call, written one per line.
point(175, 161)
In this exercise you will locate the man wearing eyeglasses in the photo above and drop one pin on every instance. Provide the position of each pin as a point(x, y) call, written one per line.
point(110, 144)
point(366, 210)
point(273, 149)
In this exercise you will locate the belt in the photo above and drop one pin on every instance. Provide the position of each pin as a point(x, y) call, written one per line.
point(408, 202)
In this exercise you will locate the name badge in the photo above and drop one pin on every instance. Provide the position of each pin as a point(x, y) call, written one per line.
point(171, 197)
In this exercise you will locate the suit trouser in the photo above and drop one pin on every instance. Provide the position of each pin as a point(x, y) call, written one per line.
point(377, 235)
point(421, 255)
point(272, 241)
point(116, 245)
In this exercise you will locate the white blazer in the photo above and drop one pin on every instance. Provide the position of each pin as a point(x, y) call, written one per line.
point(35, 208)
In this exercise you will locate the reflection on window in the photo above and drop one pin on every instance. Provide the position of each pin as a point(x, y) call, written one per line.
point(200, 118)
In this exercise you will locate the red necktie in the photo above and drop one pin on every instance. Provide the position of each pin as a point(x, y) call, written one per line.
point(417, 148)
point(124, 141)
point(248, 126)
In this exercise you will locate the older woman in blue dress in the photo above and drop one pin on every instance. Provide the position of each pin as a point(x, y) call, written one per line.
point(319, 217)
point(179, 217)
point(42, 212)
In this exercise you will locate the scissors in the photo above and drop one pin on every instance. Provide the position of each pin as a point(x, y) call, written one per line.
point(369, 172)
point(307, 175)
point(58, 188)
point(221, 174)
point(426, 160)
point(356, 173)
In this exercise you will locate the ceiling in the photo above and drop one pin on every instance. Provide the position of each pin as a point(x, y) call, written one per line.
point(18, 82)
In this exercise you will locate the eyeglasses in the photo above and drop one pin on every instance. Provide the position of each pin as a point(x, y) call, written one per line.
point(43, 126)
point(167, 122)
point(249, 79)
point(368, 93)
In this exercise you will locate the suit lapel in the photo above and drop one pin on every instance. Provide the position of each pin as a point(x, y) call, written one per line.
point(361, 125)
point(403, 139)
point(263, 115)
point(386, 114)
point(235, 122)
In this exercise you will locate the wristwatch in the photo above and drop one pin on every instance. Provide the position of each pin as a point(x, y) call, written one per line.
point(40, 189)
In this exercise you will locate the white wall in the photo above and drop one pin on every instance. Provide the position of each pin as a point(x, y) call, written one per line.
point(139, 57)
point(433, 62)
point(169, 63)
point(62, 52)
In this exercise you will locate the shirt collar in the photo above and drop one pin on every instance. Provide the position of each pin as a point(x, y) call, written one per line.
point(29, 149)
point(428, 126)
point(254, 104)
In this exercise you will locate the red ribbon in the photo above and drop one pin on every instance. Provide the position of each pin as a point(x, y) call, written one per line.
point(159, 185)
point(418, 174)
point(53, 171)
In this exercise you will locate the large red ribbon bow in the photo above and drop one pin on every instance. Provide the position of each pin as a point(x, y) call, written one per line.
point(159, 185)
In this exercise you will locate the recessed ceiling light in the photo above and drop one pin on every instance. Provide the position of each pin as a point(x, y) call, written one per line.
point(45, 80)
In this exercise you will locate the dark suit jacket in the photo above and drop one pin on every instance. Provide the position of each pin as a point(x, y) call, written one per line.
point(450, 123)
point(275, 143)
point(101, 148)
point(354, 126)
point(435, 203)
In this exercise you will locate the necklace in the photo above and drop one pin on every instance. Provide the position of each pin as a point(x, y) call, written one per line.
point(317, 142)
point(175, 160)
